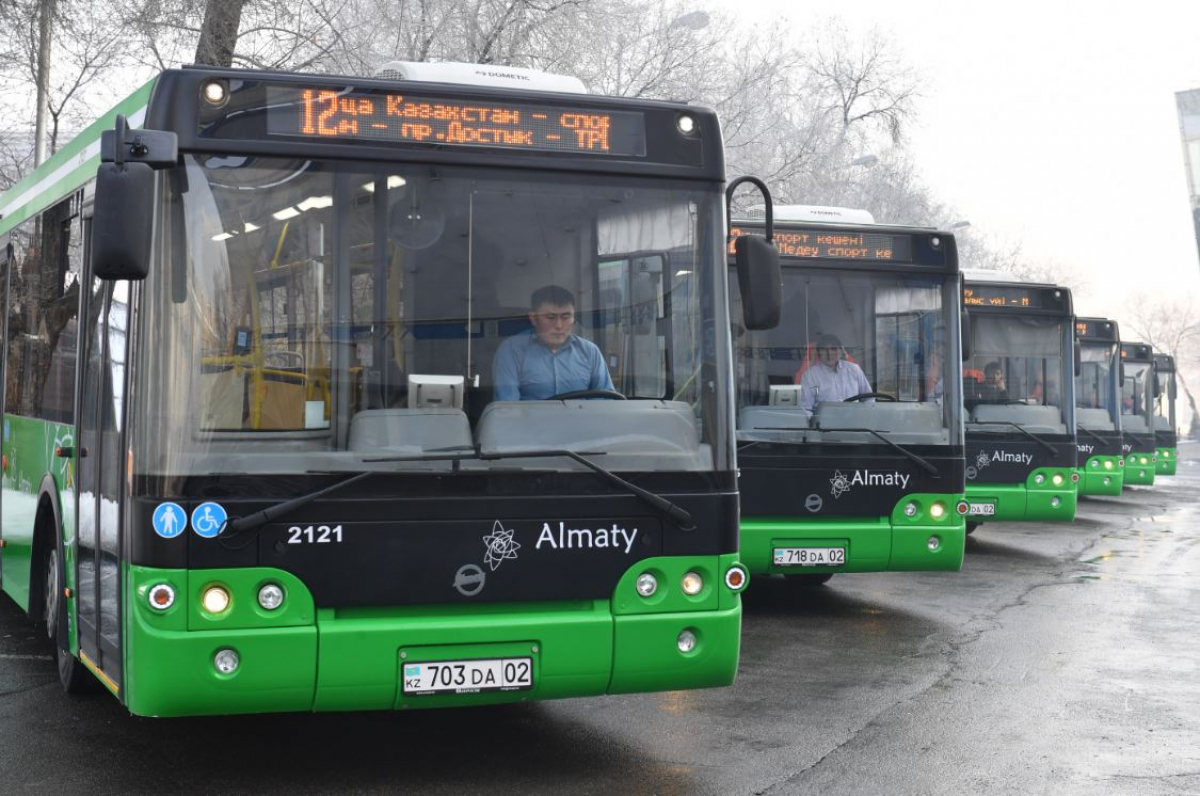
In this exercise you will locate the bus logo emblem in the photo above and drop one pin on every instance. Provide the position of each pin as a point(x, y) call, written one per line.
point(840, 484)
point(469, 580)
point(500, 546)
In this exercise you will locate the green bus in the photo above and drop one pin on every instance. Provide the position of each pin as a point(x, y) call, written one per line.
point(1166, 437)
point(1137, 414)
point(1098, 407)
point(849, 424)
point(255, 458)
point(1018, 394)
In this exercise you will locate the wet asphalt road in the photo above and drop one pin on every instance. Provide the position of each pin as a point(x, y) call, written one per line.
point(1062, 659)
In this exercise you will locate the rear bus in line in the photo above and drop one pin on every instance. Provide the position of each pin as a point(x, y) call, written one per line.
point(256, 457)
point(1137, 414)
point(1166, 435)
point(1018, 388)
point(1098, 407)
point(836, 477)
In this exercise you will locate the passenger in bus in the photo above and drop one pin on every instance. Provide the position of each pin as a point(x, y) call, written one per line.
point(548, 359)
point(831, 378)
point(993, 389)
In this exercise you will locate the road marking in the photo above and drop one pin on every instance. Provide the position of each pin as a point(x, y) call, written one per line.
point(5, 656)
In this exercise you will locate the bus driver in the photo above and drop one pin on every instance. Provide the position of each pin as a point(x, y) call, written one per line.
point(548, 359)
point(831, 378)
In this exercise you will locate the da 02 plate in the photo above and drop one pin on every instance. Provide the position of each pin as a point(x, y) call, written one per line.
point(809, 556)
point(467, 676)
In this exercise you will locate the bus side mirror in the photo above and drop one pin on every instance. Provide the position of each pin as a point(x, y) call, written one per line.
point(760, 282)
point(760, 279)
point(121, 221)
point(1171, 389)
point(965, 331)
point(123, 211)
point(1078, 359)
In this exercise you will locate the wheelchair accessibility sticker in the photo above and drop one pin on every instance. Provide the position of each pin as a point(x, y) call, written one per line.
point(208, 519)
point(169, 520)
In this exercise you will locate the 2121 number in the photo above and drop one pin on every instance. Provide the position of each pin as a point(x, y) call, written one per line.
point(319, 534)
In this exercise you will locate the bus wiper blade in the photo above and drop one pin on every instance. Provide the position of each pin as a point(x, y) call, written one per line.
point(1049, 448)
point(258, 518)
point(929, 468)
point(1092, 434)
point(660, 503)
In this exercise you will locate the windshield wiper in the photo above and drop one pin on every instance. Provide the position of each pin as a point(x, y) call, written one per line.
point(929, 468)
point(252, 521)
point(658, 502)
point(1092, 434)
point(1049, 448)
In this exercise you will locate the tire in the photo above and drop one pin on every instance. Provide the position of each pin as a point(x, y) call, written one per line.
point(73, 675)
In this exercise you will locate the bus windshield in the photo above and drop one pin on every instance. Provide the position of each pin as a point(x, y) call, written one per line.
point(1164, 409)
point(855, 353)
point(1017, 373)
point(1095, 388)
point(310, 315)
point(1136, 396)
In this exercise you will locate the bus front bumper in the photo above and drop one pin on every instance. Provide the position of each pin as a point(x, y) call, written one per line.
point(354, 659)
point(1139, 469)
point(1029, 502)
point(1102, 475)
point(901, 542)
point(1165, 464)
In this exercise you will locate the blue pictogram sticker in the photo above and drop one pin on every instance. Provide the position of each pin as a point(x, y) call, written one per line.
point(169, 520)
point(208, 519)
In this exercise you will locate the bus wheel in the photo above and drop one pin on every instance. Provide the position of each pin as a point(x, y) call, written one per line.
point(73, 675)
point(810, 581)
point(971, 526)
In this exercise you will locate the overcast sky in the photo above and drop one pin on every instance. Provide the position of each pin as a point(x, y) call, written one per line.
point(1054, 124)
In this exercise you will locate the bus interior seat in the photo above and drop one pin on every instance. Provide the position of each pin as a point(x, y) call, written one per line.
point(634, 435)
point(1046, 419)
point(409, 429)
point(1095, 419)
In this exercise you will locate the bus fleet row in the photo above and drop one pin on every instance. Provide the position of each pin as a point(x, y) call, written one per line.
point(254, 458)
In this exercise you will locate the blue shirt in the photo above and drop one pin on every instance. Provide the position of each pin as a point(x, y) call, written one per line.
point(525, 369)
point(823, 383)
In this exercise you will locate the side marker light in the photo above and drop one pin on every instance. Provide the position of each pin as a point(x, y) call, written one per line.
point(161, 596)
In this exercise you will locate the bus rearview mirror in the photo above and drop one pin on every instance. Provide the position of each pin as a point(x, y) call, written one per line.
point(1078, 359)
point(759, 280)
point(121, 221)
point(965, 332)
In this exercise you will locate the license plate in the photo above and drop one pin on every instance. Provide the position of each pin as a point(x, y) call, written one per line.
point(810, 556)
point(468, 677)
point(982, 510)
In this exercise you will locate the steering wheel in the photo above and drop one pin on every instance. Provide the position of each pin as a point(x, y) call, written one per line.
point(862, 396)
point(598, 393)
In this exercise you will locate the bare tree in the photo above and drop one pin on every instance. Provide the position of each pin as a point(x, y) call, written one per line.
point(1170, 326)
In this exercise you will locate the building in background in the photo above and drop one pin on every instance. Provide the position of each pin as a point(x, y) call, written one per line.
point(1188, 104)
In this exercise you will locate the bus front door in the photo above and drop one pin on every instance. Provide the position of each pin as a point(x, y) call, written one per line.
point(100, 472)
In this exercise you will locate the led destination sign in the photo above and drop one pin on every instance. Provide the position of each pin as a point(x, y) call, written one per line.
point(1094, 329)
point(1012, 297)
point(322, 113)
point(838, 245)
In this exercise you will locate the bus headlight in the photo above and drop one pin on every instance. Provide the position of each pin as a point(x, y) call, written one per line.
point(937, 510)
point(1055, 502)
point(647, 584)
point(1039, 479)
point(686, 124)
point(910, 509)
point(270, 597)
point(686, 641)
point(226, 661)
point(1166, 454)
point(215, 599)
point(1096, 463)
point(934, 543)
point(692, 584)
point(1108, 465)
point(1057, 479)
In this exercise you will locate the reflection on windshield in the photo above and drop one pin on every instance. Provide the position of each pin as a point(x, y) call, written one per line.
point(1136, 395)
point(307, 309)
point(1016, 373)
point(852, 352)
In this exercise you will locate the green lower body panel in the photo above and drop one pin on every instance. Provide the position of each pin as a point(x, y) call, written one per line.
point(1019, 503)
point(300, 658)
point(1139, 474)
point(1101, 475)
point(871, 544)
point(1165, 465)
